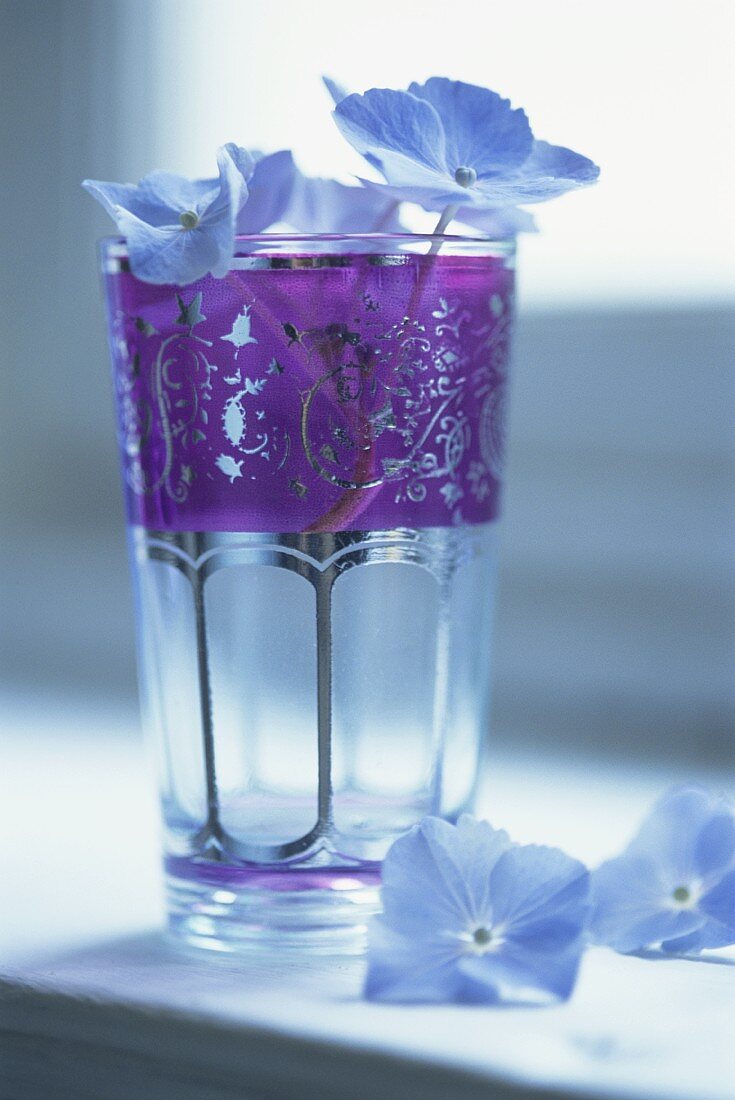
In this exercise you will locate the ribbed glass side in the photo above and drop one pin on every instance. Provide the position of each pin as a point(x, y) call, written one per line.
point(231, 627)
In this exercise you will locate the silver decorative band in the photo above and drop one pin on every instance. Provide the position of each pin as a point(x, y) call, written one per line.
point(310, 554)
point(114, 265)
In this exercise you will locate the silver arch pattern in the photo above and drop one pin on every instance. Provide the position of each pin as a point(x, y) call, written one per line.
point(321, 558)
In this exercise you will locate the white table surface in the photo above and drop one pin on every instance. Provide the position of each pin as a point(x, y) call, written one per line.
point(81, 949)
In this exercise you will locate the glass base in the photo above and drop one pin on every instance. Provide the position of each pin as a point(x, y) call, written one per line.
point(238, 910)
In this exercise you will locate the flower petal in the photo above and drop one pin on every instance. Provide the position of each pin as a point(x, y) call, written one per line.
point(337, 91)
point(691, 944)
point(539, 894)
point(432, 195)
point(655, 928)
point(243, 160)
point(436, 878)
point(549, 171)
point(233, 189)
point(519, 972)
point(403, 969)
point(481, 128)
point(687, 834)
point(325, 206)
point(715, 845)
point(631, 906)
point(711, 935)
point(498, 224)
point(718, 904)
point(148, 199)
point(396, 126)
point(563, 164)
point(112, 195)
point(269, 191)
point(166, 254)
point(160, 192)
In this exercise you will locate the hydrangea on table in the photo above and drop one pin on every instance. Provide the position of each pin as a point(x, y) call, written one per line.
point(470, 917)
point(673, 887)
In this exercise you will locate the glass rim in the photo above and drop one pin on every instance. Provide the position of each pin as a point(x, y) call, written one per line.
point(506, 245)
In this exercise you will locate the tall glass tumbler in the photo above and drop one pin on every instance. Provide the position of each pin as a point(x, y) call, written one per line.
point(312, 450)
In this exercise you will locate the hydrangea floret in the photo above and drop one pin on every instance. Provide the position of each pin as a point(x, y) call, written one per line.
point(178, 229)
point(496, 222)
point(673, 888)
point(470, 917)
point(448, 146)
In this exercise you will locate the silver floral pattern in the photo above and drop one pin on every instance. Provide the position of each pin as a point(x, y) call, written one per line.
point(301, 399)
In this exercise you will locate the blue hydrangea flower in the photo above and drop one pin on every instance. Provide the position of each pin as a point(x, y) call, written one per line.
point(269, 191)
point(326, 206)
point(469, 917)
point(497, 223)
point(674, 885)
point(178, 229)
point(445, 143)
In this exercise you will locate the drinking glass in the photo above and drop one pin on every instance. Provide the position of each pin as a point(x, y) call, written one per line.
point(312, 451)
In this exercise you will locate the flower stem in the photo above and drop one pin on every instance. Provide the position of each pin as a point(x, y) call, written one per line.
point(447, 214)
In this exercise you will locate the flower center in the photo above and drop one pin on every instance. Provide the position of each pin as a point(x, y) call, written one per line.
point(681, 895)
point(481, 939)
point(189, 220)
point(465, 177)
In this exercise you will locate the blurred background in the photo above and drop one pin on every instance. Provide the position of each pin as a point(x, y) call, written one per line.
point(615, 630)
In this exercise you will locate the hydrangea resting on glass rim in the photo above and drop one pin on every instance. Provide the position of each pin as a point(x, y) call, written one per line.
point(445, 145)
